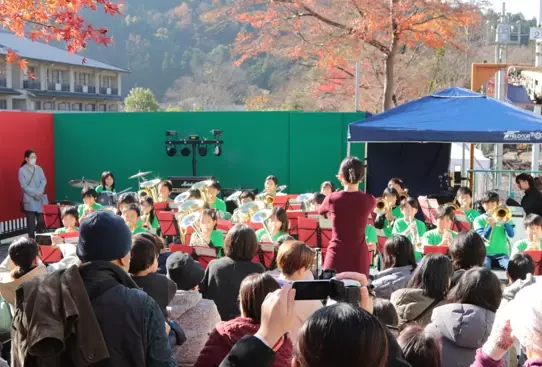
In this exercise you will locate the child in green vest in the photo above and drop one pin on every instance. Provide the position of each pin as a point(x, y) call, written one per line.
point(464, 198)
point(89, 196)
point(132, 217)
point(385, 221)
point(533, 228)
point(409, 226)
point(496, 234)
point(211, 236)
point(443, 234)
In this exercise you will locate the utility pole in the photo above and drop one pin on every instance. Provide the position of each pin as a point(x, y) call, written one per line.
point(535, 157)
point(502, 39)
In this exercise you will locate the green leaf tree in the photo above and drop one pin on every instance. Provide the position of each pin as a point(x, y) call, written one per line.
point(140, 100)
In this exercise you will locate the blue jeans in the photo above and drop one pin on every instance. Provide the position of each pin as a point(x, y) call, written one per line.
point(497, 260)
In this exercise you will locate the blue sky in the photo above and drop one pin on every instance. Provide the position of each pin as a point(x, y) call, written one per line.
point(528, 7)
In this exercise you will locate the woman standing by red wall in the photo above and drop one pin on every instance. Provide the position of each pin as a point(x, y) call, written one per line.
point(349, 211)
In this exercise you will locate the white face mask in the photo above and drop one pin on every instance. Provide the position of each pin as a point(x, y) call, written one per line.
point(32, 161)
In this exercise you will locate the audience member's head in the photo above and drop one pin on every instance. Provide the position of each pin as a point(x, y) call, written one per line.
point(254, 288)
point(479, 287)
point(341, 335)
point(186, 272)
point(398, 251)
point(158, 242)
point(420, 348)
point(295, 260)
point(467, 250)
point(525, 312)
point(519, 266)
point(433, 276)
point(24, 253)
point(283, 238)
point(241, 243)
point(69, 217)
point(105, 236)
point(144, 256)
point(385, 311)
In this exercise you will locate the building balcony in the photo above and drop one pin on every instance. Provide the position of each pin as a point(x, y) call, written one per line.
point(85, 88)
point(59, 87)
point(31, 84)
point(111, 91)
point(3, 82)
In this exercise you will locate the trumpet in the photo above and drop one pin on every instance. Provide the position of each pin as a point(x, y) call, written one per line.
point(382, 206)
point(415, 236)
point(501, 214)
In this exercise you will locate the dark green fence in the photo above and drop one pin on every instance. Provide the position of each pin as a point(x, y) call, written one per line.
point(301, 149)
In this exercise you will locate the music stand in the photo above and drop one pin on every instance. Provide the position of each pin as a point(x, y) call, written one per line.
point(168, 224)
point(429, 208)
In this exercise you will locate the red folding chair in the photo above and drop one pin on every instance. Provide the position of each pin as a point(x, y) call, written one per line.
point(308, 231)
point(293, 216)
point(224, 225)
point(51, 216)
point(50, 254)
point(204, 255)
point(537, 257)
point(435, 250)
point(168, 223)
point(176, 247)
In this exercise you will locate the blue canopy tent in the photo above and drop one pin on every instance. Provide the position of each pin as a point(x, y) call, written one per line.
point(451, 115)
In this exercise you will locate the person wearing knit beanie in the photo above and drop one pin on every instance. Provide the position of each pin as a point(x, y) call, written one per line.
point(104, 236)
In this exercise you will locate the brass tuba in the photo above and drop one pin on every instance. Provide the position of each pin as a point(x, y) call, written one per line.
point(150, 188)
point(501, 214)
point(203, 187)
point(382, 206)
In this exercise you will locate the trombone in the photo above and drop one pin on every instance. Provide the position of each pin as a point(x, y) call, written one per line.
point(263, 216)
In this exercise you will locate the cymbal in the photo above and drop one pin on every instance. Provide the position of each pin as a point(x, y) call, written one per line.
point(140, 174)
point(123, 191)
point(83, 183)
point(150, 183)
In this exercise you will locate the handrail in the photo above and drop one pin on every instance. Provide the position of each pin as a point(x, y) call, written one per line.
point(502, 171)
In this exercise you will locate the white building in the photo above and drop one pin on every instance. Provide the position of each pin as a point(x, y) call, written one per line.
point(63, 81)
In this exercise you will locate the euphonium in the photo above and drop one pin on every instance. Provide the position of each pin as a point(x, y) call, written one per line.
point(502, 214)
point(268, 199)
point(382, 206)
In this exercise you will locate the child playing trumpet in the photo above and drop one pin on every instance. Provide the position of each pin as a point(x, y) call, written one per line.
point(409, 226)
point(443, 234)
point(385, 221)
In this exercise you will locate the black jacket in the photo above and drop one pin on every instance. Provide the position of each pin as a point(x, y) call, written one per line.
point(532, 202)
point(251, 351)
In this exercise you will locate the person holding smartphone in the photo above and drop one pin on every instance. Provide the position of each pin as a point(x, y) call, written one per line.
point(33, 182)
point(349, 211)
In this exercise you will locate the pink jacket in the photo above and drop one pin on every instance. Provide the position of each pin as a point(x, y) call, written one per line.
point(481, 360)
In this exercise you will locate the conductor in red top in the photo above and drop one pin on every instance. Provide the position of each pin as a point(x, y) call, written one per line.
point(348, 210)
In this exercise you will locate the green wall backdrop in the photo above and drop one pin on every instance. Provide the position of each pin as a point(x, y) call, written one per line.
point(301, 149)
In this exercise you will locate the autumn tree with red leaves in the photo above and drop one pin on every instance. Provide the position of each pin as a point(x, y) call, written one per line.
point(333, 34)
point(47, 20)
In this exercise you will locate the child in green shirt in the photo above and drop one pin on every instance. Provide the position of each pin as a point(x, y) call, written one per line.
point(496, 234)
point(533, 228)
point(89, 196)
point(278, 226)
point(385, 221)
point(464, 198)
point(371, 237)
point(132, 217)
point(108, 183)
point(443, 234)
point(214, 202)
point(211, 236)
point(409, 226)
point(164, 191)
point(149, 218)
point(69, 218)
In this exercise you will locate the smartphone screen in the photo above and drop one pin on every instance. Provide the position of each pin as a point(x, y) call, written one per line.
point(312, 289)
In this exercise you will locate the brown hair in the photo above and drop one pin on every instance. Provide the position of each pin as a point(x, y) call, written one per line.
point(241, 243)
point(293, 256)
point(158, 242)
point(352, 169)
point(254, 288)
point(420, 348)
point(281, 215)
point(211, 213)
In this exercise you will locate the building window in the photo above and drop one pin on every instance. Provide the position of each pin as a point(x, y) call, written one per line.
point(49, 106)
point(62, 106)
point(77, 107)
point(113, 108)
point(54, 76)
point(107, 81)
point(37, 105)
point(103, 107)
point(90, 107)
point(3, 104)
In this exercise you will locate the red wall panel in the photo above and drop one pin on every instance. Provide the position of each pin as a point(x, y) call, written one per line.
point(20, 131)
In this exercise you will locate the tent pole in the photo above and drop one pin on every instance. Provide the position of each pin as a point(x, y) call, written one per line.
point(348, 149)
point(464, 146)
point(471, 167)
